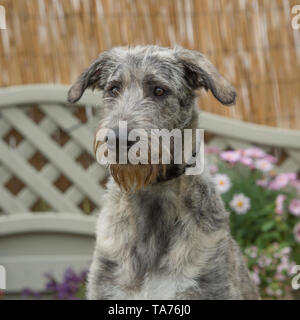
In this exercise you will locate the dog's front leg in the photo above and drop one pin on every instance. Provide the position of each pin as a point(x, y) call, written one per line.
point(100, 278)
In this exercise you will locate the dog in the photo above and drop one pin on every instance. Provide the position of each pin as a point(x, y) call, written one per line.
point(161, 234)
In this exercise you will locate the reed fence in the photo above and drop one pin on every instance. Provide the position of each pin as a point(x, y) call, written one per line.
point(252, 43)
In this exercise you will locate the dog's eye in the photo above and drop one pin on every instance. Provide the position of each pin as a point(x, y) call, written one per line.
point(158, 92)
point(114, 91)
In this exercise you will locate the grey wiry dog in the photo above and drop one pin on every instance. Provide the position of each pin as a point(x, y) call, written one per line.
point(161, 234)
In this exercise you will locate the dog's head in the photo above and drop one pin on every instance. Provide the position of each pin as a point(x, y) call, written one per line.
point(148, 87)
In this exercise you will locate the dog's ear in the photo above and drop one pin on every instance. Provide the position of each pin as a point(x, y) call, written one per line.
point(200, 72)
point(94, 75)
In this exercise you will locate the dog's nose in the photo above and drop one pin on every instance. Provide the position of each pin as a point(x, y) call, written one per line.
point(119, 139)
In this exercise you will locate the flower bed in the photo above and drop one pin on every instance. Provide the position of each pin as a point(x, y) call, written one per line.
point(264, 214)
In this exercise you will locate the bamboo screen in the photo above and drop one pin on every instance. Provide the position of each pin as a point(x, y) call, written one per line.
point(251, 42)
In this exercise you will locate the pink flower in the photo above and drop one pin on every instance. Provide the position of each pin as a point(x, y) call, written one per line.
point(279, 276)
point(296, 185)
point(212, 150)
point(254, 152)
point(279, 203)
point(262, 182)
point(286, 251)
point(281, 181)
point(230, 156)
point(264, 261)
point(247, 161)
point(263, 165)
point(294, 207)
point(213, 169)
point(282, 267)
point(285, 260)
point(292, 176)
point(270, 158)
point(292, 268)
point(255, 277)
point(297, 232)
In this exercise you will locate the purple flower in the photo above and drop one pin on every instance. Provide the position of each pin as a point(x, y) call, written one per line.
point(83, 276)
point(69, 287)
point(29, 293)
point(70, 275)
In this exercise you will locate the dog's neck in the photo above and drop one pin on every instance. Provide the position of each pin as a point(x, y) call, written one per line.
point(174, 171)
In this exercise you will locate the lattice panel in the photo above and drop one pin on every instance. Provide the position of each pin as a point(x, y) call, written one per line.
point(47, 161)
point(46, 156)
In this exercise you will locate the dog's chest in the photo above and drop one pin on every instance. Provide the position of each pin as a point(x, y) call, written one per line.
point(154, 246)
point(160, 287)
point(140, 237)
point(127, 227)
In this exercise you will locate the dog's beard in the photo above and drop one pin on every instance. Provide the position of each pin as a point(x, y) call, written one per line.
point(133, 177)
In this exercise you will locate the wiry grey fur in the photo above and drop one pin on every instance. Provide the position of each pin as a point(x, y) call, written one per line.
point(171, 239)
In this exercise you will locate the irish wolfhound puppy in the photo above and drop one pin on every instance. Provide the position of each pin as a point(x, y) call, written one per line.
point(161, 234)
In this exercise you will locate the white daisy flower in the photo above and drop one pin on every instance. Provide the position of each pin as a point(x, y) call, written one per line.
point(240, 203)
point(222, 182)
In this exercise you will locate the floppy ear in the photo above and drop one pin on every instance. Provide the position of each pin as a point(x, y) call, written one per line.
point(200, 72)
point(94, 75)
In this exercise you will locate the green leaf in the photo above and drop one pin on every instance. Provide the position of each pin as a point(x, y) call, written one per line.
point(268, 225)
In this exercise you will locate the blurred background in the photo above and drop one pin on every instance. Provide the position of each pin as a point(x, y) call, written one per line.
point(251, 42)
point(46, 159)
